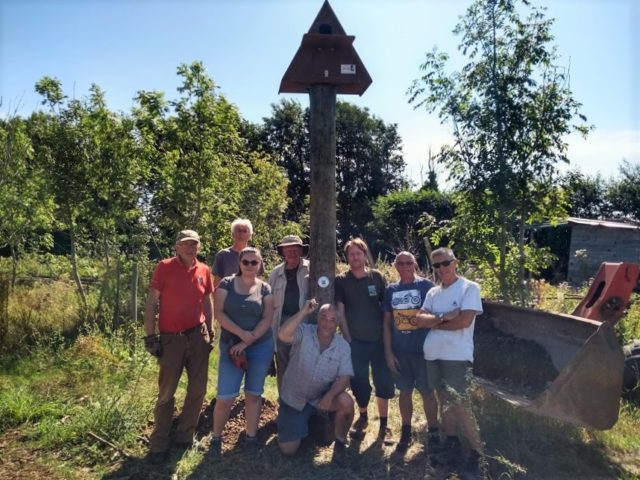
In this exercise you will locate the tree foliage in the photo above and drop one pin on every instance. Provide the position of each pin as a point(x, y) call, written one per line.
point(402, 219)
point(592, 196)
point(586, 195)
point(624, 194)
point(117, 183)
point(510, 108)
point(369, 163)
point(369, 160)
point(26, 207)
point(285, 135)
point(201, 174)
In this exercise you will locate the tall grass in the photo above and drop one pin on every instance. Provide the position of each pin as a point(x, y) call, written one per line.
point(59, 397)
point(39, 314)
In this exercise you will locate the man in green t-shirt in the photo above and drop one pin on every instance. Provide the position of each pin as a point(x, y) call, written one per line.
point(359, 294)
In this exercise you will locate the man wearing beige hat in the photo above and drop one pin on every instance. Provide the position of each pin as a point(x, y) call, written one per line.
point(182, 339)
point(290, 286)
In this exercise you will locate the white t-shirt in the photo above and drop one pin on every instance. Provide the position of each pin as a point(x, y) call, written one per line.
point(452, 344)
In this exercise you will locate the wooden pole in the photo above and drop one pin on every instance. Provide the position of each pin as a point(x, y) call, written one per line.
point(322, 133)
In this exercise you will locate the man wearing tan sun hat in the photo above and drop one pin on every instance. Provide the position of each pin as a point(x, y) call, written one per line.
point(290, 286)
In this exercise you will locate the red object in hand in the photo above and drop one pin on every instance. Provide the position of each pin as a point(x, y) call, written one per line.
point(239, 360)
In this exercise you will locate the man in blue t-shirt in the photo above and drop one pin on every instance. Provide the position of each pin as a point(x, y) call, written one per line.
point(403, 345)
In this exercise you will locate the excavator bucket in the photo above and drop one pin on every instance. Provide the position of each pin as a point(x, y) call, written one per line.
point(558, 366)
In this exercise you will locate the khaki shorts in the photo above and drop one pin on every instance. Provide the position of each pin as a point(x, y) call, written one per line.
point(450, 375)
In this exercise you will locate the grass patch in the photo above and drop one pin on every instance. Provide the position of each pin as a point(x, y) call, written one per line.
point(20, 404)
point(56, 389)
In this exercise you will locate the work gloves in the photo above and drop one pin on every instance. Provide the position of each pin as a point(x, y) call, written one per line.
point(152, 345)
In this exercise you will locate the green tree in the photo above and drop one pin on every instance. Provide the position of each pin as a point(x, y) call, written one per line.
point(624, 194)
point(510, 107)
point(369, 163)
point(285, 136)
point(61, 148)
point(95, 171)
point(26, 208)
point(400, 219)
point(369, 160)
point(201, 174)
point(586, 195)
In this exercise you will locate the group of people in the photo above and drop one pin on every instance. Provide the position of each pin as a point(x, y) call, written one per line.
point(408, 335)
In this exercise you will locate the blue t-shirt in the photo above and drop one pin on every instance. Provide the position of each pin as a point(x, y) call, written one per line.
point(404, 300)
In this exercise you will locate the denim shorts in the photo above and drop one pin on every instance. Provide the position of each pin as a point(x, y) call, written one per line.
point(259, 358)
point(412, 372)
point(293, 424)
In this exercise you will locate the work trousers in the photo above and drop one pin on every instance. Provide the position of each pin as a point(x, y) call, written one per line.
point(180, 351)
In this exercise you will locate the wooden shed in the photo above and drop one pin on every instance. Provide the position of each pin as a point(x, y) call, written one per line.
point(596, 241)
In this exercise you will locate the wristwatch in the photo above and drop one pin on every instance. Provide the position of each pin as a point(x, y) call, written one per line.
point(440, 317)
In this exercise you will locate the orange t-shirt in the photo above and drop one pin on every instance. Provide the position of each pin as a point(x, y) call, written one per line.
point(182, 290)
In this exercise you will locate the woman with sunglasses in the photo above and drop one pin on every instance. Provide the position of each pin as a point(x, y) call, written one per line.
point(244, 309)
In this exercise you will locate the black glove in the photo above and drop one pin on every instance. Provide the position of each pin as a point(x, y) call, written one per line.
point(153, 345)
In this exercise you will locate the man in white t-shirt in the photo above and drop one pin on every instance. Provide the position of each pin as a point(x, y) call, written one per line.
point(449, 310)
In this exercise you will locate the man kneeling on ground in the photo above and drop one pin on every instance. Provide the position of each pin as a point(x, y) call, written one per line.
point(316, 378)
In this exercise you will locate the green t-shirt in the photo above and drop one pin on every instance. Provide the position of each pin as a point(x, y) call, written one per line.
point(362, 299)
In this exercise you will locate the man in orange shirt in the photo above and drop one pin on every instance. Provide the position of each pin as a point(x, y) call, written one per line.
point(182, 287)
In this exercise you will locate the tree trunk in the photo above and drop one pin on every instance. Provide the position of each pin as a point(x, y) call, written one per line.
point(133, 307)
point(521, 269)
point(74, 261)
point(116, 305)
point(502, 245)
point(14, 266)
point(105, 247)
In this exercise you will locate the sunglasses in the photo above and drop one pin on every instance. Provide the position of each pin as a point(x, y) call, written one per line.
point(253, 263)
point(446, 263)
point(404, 264)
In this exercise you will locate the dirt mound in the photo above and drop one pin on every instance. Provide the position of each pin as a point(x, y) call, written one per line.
point(520, 366)
point(235, 428)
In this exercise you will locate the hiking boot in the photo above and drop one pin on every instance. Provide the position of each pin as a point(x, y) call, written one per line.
point(339, 452)
point(339, 447)
point(157, 458)
point(215, 448)
point(359, 428)
point(472, 469)
point(449, 454)
point(385, 436)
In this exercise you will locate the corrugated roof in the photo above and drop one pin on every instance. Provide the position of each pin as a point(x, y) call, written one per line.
point(602, 223)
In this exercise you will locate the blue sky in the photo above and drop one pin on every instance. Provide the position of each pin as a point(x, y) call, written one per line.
point(246, 46)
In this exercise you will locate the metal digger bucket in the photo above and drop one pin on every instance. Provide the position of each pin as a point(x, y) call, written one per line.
point(585, 354)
